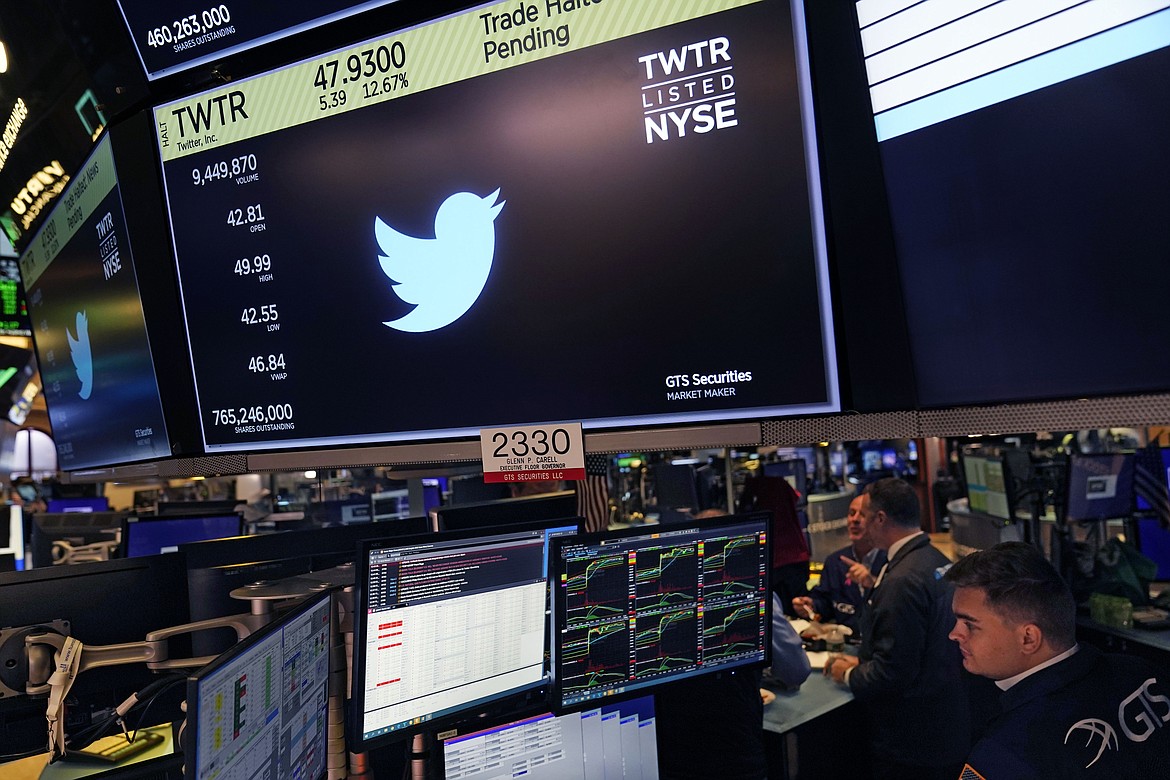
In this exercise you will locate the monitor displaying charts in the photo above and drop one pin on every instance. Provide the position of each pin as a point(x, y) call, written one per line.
point(639, 608)
point(987, 490)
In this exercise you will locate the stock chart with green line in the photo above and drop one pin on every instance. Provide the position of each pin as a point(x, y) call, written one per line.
point(639, 608)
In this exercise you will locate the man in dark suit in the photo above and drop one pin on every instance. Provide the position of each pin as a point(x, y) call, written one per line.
point(908, 676)
point(1066, 710)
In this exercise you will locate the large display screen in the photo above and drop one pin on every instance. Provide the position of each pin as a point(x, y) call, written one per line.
point(171, 37)
point(1024, 156)
point(89, 329)
point(523, 213)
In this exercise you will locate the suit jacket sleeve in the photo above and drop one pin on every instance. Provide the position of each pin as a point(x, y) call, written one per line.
point(899, 635)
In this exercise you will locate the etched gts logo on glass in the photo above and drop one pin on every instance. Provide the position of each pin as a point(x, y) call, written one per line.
point(443, 276)
point(82, 356)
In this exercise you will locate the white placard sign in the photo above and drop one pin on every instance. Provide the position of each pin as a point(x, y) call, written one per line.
point(533, 453)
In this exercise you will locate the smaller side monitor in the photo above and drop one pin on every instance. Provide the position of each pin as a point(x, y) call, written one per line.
point(156, 535)
point(1099, 487)
point(507, 511)
point(390, 505)
point(795, 471)
point(91, 504)
point(987, 485)
point(633, 609)
point(259, 710)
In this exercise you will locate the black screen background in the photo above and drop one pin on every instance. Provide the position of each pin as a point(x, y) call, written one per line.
point(617, 263)
point(1033, 241)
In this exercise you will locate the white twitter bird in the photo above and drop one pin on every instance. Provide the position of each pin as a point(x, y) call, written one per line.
point(443, 276)
point(79, 350)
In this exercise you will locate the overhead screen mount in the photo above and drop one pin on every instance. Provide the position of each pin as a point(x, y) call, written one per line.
point(636, 609)
point(237, 189)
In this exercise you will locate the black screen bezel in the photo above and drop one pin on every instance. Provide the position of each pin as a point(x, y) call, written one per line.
point(702, 526)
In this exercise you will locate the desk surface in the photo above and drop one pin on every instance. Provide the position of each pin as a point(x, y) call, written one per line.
point(817, 696)
point(1159, 640)
point(39, 768)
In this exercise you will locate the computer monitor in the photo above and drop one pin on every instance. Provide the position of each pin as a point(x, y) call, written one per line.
point(216, 507)
point(614, 740)
point(1162, 476)
point(795, 471)
point(987, 485)
point(348, 511)
point(507, 511)
point(74, 537)
point(1099, 487)
point(259, 710)
point(449, 627)
point(674, 486)
point(92, 504)
point(216, 568)
point(1154, 542)
point(155, 535)
point(390, 505)
point(472, 489)
point(632, 609)
point(101, 603)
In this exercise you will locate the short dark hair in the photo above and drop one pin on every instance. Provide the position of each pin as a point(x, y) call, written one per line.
point(1023, 587)
point(897, 498)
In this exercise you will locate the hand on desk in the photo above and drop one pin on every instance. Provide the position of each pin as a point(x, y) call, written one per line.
point(838, 664)
point(859, 573)
point(804, 607)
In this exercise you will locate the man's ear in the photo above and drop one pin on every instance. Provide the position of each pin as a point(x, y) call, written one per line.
point(1030, 638)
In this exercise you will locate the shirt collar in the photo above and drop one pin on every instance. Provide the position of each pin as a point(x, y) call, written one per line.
point(898, 545)
point(1003, 685)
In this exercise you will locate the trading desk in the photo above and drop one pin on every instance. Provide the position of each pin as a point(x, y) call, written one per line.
point(805, 730)
point(816, 697)
point(38, 767)
point(1154, 646)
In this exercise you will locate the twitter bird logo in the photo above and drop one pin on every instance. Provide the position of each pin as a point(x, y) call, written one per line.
point(82, 357)
point(443, 276)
